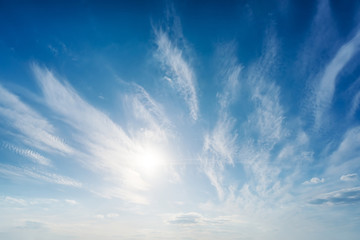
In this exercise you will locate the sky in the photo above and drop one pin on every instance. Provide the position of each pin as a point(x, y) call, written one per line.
point(180, 120)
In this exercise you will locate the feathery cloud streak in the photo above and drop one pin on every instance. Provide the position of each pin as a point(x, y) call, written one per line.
point(103, 144)
point(180, 74)
point(343, 196)
point(34, 129)
point(219, 147)
point(10, 171)
point(33, 155)
point(327, 83)
point(349, 177)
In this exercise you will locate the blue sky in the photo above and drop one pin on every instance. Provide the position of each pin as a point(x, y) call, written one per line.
point(180, 120)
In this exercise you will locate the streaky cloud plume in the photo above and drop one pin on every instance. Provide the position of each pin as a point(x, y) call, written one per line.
point(104, 147)
point(31, 154)
point(340, 197)
point(346, 157)
point(349, 177)
point(147, 109)
point(179, 72)
point(264, 130)
point(355, 104)
point(219, 148)
point(195, 218)
point(10, 171)
point(33, 129)
point(186, 218)
point(321, 30)
point(327, 83)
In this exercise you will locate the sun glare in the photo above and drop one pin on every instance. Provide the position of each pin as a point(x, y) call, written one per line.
point(150, 160)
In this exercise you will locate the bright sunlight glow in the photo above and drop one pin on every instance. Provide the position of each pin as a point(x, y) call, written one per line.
point(150, 160)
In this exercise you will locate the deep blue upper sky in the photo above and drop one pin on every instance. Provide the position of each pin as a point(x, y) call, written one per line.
point(179, 119)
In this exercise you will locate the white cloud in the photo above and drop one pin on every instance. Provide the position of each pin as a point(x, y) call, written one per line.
point(33, 129)
point(315, 180)
point(267, 119)
point(268, 116)
point(121, 192)
point(13, 200)
point(349, 177)
point(186, 218)
point(180, 72)
point(104, 145)
point(219, 148)
point(194, 218)
point(229, 73)
point(355, 104)
point(321, 32)
point(349, 146)
point(107, 216)
point(71, 201)
point(145, 108)
point(17, 172)
point(264, 130)
point(43, 201)
point(112, 215)
point(33, 155)
point(343, 196)
point(37, 201)
point(326, 88)
point(100, 216)
point(52, 178)
point(346, 157)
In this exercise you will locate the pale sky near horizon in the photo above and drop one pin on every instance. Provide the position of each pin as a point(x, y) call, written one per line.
point(180, 120)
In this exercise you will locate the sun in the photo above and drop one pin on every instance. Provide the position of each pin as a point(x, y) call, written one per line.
point(150, 160)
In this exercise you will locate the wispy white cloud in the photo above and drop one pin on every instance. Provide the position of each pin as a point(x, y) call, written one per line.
point(349, 177)
point(327, 84)
point(272, 155)
point(34, 130)
point(30, 202)
point(43, 201)
point(33, 225)
point(100, 216)
point(145, 108)
point(10, 171)
point(194, 218)
point(186, 218)
point(179, 72)
point(269, 115)
point(343, 196)
point(315, 180)
point(322, 31)
point(100, 136)
point(52, 178)
point(218, 151)
point(355, 104)
point(112, 215)
point(124, 193)
point(219, 148)
point(71, 201)
point(264, 130)
point(229, 73)
point(13, 200)
point(222, 141)
point(33, 155)
point(104, 146)
point(346, 157)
